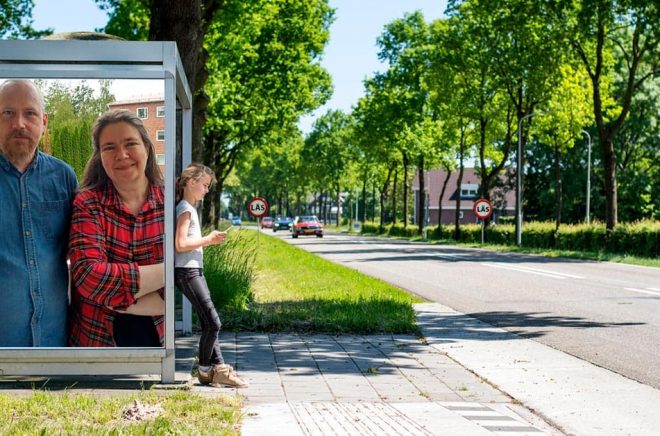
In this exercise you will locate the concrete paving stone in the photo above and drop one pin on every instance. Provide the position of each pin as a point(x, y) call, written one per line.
point(437, 420)
point(313, 396)
point(264, 399)
point(269, 419)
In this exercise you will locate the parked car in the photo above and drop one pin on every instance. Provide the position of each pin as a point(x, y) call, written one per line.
point(307, 225)
point(236, 220)
point(267, 222)
point(282, 223)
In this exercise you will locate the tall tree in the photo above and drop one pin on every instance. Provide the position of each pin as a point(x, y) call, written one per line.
point(566, 114)
point(327, 151)
point(596, 29)
point(184, 21)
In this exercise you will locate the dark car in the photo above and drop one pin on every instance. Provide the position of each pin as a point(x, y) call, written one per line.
point(307, 225)
point(282, 223)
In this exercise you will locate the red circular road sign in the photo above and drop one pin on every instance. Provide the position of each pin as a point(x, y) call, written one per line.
point(483, 209)
point(257, 207)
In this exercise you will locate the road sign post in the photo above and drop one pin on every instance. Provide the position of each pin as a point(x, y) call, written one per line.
point(258, 208)
point(482, 210)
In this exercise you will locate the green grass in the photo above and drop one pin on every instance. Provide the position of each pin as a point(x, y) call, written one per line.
point(68, 413)
point(296, 291)
point(570, 254)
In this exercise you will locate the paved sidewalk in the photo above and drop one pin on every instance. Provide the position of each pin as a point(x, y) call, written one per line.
point(365, 385)
point(577, 396)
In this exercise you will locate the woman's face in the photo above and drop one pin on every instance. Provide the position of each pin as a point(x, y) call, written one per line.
point(123, 154)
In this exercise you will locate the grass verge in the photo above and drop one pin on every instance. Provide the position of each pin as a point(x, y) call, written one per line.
point(68, 413)
point(296, 291)
point(569, 254)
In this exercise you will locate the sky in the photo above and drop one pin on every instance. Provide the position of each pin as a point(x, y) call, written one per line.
point(350, 56)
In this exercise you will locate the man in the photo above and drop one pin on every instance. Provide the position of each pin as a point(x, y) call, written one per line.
point(36, 191)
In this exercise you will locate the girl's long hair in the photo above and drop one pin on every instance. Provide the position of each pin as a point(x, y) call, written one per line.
point(95, 176)
point(194, 171)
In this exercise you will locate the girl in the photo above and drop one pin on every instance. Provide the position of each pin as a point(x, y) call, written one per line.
point(191, 187)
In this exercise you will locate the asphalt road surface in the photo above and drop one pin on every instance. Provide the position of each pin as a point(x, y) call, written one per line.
point(605, 313)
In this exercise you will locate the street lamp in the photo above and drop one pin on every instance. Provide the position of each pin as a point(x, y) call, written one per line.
point(588, 173)
point(519, 180)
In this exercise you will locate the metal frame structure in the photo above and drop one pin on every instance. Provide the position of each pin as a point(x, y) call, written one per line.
point(109, 60)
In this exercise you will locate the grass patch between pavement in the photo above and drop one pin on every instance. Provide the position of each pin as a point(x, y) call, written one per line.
point(69, 413)
point(297, 291)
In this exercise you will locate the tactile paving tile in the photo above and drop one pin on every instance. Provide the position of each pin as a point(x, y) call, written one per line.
point(329, 418)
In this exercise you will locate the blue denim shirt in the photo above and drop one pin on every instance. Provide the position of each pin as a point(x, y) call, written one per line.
point(35, 213)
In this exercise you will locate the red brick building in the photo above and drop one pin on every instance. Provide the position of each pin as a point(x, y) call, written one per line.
point(151, 110)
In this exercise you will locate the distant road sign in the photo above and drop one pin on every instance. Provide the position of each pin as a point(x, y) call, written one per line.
point(483, 209)
point(257, 207)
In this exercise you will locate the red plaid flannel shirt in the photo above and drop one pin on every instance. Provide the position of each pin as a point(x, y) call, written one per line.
point(106, 245)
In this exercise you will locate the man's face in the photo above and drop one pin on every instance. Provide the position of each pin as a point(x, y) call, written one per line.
point(22, 121)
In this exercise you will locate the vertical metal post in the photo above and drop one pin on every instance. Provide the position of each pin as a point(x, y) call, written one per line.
point(588, 217)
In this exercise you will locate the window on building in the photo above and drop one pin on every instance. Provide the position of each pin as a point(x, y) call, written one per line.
point(160, 111)
point(469, 190)
point(143, 113)
point(160, 159)
point(160, 135)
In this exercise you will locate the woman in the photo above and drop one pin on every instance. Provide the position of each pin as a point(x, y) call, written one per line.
point(116, 240)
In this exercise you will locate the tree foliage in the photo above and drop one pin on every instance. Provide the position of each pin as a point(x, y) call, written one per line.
point(16, 20)
point(72, 111)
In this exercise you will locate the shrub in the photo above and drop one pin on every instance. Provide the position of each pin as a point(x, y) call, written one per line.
point(229, 271)
point(399, 230)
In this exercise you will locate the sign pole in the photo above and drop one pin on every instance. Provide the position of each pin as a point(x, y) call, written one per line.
point(483, 227)
point(258, 208)
point(483, 210)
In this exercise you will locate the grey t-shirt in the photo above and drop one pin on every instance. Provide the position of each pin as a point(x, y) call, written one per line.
point(193, 258)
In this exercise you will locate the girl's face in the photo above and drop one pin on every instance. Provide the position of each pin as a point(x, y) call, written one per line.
point(200, 187)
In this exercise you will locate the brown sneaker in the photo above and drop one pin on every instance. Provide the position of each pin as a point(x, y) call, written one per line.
point(205, 378)
point(225, 375)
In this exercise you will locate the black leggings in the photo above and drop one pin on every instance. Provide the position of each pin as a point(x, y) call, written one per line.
point(192, 283)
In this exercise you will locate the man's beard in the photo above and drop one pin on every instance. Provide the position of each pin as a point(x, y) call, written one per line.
point(17, 153)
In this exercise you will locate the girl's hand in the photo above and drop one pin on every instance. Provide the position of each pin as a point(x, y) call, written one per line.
point(216, 237)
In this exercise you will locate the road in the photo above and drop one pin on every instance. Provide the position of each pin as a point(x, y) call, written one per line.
point(605, 313)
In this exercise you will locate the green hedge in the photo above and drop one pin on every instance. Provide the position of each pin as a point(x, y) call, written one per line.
point(637, 239)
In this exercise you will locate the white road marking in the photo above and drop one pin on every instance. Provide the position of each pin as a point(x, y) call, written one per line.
point(654, 289)
point(538, 271)
point(643, 291)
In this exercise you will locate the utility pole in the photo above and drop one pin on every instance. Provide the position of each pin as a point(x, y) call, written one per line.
point(588, 217)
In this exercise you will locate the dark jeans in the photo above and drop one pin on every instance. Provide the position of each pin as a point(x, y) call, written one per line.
point(192, 283)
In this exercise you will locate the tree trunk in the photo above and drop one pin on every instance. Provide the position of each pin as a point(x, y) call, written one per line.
point(338, 204)
point(396, 178)
point(558, 193)
point(363, 209)
point(383, 198)
point(442, 195)
point(459, 181)
point(186, 22)
point(373, 203)
point(405, 190)
point(421, 204)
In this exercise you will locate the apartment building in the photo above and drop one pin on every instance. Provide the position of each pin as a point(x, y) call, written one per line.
point(151, 110)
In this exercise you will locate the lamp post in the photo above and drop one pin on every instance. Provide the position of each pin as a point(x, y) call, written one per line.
point(588, 219)
point(519, 171)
